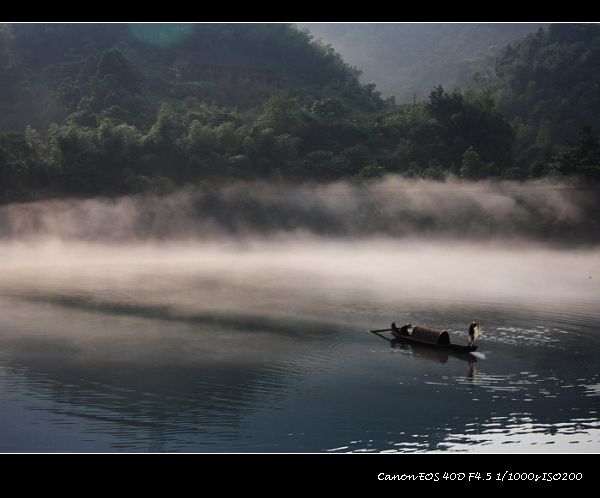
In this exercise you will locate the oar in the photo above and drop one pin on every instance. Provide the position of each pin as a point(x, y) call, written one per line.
point(376, 332)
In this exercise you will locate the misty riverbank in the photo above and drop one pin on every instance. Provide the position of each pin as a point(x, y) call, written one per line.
point(563, 214)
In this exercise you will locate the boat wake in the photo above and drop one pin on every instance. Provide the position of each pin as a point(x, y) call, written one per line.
point(479, 356)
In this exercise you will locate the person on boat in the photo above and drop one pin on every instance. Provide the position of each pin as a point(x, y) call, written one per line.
point(404, 329)
point(472, 328)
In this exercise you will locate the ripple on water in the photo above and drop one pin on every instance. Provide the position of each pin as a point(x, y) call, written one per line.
point(531, 436)
point(592, 390)
point(534, 337)
point(516, 432)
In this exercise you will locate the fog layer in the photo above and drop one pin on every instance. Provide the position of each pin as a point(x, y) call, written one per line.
point(392, 207)
point(273, 252)
point(293, 277)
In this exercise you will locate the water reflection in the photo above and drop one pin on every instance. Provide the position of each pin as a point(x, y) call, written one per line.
point(473, 371)
point(433, 354)
point(522, 432)
point(169, 385)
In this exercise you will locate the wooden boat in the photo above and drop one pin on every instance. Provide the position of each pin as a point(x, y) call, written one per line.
point(427, 337)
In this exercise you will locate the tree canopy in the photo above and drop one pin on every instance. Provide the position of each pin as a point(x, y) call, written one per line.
point(105, 111)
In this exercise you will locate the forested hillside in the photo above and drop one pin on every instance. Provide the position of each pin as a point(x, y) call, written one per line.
point(116, 109)
point(89, 71)
point(548, 86)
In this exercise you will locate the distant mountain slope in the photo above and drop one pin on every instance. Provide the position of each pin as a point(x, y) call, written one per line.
point(407, 59)
point(49, 71)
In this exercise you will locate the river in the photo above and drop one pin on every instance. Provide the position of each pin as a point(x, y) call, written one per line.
point(262, 346)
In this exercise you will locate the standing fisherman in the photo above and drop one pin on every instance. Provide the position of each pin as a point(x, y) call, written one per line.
point(474, 326)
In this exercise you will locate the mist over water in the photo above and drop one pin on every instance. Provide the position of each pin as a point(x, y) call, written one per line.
point(391, 207)
point(234, 319)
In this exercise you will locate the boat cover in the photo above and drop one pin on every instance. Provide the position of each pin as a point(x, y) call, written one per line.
point(433, 336)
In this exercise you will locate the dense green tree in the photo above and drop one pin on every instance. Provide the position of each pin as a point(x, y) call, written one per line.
point(549, 85)
point(284, 113)
point(581, 158)
point(371, 171)
point(114, 65)
point(470, 122)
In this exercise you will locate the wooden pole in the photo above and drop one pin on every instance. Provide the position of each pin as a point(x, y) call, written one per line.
point(376, 332)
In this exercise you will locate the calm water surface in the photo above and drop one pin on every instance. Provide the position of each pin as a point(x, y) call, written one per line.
point(254, 350)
